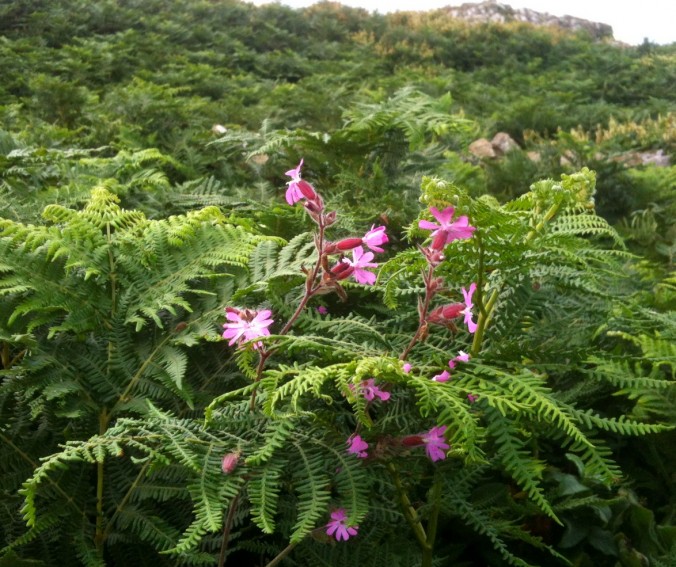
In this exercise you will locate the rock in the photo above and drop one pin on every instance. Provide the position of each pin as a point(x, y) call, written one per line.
point(658, 158)
point(634, 159)
point(493, 12)
point(534, 156)
point(482, 149)
point(503, 143)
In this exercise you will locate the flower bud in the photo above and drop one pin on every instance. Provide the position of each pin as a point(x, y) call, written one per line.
point(412, 441)
point(342, 270)
point(230, 461)
point(329, 218)
point(445, 313)
point(330, 248)
point(348, 244)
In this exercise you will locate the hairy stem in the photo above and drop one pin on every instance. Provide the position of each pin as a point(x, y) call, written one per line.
point(227, 527)
point(410, 513)
point(432, 524)
point(310, 290)
point(422, 321)
point(282, 554)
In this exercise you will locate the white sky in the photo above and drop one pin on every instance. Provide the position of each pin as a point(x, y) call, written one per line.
point(632, 20)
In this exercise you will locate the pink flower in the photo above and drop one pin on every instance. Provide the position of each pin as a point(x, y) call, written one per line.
point(361, 260)
point(467, 311)
point(322, 310)
point(298, 189)
point(246, 325)
point(462, 357)
point(445, 376)
point(357, 446)
point(435, 445)
point(406, 368)
point(375, 237)
point(471, 398)
point(446, 231)
point(337, 528)
point(371, 391)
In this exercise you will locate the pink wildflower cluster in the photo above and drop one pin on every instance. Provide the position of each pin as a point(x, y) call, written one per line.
point(338, 528)
point(246, 325)
point(361, 262)
point(446, 231)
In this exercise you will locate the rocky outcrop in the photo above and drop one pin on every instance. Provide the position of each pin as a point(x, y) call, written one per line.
point(501, 144)
point(493, 12)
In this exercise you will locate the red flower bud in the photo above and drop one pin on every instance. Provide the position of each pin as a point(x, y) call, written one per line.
point(443, 314)
point(342, 270)
point(412, 441)
point(348, 244)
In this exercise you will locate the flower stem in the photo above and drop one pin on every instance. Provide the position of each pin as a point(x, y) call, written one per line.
point(282, 554)
point(227, 527)
point(422, 322)
point(432, 524)
point(407, 508)
point(310, 290)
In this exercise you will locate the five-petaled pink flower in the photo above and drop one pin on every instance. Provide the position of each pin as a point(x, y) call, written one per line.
point(447, 231)
point(467, 311)
point(357, 446)
point(337, 527)
point(298, 188)
point(361, 260)
point(406, 368)
point(445, 376)
point(246, 325)
point(371, 391)
point(435, 445)
point(375, 237)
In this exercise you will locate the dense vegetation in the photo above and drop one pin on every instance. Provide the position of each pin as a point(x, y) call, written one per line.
point(143, 145)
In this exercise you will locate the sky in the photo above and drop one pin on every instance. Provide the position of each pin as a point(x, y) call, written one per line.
point(632, 21)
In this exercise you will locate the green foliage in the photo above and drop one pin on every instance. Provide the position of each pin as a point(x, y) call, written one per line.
point(142, 151)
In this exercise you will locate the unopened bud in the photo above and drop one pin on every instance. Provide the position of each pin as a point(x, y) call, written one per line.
point(444, 314)
point(436, 284)
point(342, 270)
point(412, 441)
point(329, 218)
point(230, 462)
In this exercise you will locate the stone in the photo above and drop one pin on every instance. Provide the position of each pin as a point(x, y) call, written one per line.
point(482, 149)
point(493, 12)
point(503, 143)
